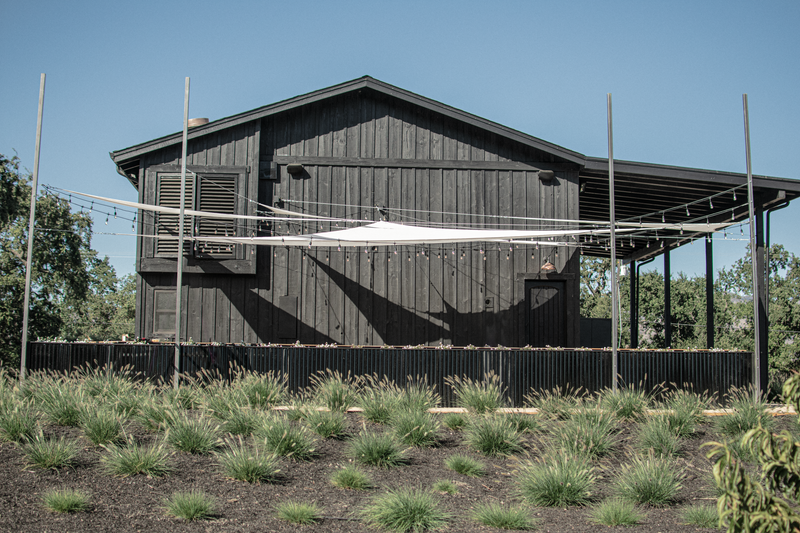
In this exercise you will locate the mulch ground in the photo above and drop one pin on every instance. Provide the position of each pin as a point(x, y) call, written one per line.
point(136, 503)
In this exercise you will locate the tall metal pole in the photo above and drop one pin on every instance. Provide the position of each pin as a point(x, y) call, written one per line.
point(614, 310)
point(23, 359)
point(179, 282)
point(752, 215)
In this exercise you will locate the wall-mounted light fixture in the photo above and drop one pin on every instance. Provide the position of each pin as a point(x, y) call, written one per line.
point(546, 175)
point(294, 169)
point(548, 267)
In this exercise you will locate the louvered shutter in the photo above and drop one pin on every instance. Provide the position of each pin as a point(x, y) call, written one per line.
point(169, 195)
point(217, 195)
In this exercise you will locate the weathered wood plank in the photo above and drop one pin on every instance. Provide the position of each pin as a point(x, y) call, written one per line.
point(520, 254)
point(449, 206)
point(429, 163)
point(381, 129)
point(409, 289)
point(421, 264)
point(436, 307)
point(507, 326)
point(352, 275)
point(490, 260)
point(477, 266)
point(463, 266)
point(336, 299)
point(366, 269)
point(379, 317)
point(321, 319)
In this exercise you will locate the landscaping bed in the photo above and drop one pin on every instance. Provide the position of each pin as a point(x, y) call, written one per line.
point(137, 502)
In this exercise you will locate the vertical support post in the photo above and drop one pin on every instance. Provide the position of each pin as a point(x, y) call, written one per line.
point(667, 301)
point(709, 293)
point(179, 282)
point(611, 210)
point(634, 311)
point(761, 298)
point(758, 360)
point(23, 359)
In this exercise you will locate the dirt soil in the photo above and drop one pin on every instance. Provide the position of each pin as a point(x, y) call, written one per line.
point(136, 503)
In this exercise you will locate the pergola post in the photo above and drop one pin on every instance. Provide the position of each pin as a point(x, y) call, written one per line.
point(760, 296)
point(667, 302)
point(709, 293)
point(634, 311)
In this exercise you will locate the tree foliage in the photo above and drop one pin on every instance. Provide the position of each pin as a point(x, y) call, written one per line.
point(68, 281)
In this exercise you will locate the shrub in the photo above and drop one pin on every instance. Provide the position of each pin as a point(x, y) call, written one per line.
point(501, 517)
point(415, 428)
point(66, 501)
point(749, 412)
point(626, 403)
point(705, 516)
point(334, 391)
point(101, 426)
point(298, 513)
point(285, 439)
point(493, 436)
point(479, 396)
point(405, 509)
point(588, 432)
point(327, 424)
point(465, 465)
point(555, 404)
point(455, 421)
point(192, 505)
point(351, 478)
point(653, 481)
point(446, 486)
point(616, 512)
point(132, 459)
point(192, 435)
point(50, 453)
point(17, 422)
point(248, 463)
point(656, 437)
point(376, 449)
point(557, 480)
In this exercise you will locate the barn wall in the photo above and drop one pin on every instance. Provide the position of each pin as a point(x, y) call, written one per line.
point(360, 151)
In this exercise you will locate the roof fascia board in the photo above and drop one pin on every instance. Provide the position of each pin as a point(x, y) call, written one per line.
point(600, 165)
point(336, 90)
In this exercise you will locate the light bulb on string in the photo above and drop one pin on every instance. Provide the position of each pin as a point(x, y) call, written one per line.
point(734, 195)
point(687, 210)
point(710, 203)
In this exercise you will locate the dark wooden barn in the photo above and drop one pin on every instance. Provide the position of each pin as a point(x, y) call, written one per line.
point(371, 151)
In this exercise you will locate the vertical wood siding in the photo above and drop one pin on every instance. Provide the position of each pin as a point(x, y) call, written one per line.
point(376, 298)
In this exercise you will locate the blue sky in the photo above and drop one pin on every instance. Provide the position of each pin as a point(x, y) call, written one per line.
point(677, 71)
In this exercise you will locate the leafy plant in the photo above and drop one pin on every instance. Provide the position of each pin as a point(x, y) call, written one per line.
point(415, 428)
point(405, 509)
point(50, 453)
point(66, 500)
point(132, 459)
point(248, 463)
point(285, 439)
point(503, 517)
point(557, 480)
point(478, 396)
point(616, 512)
point(192, 505)
point(298, 513)
point(653, 481)
point(465, 465)
point(376, 449)
point(350, 477)
point(493, 436)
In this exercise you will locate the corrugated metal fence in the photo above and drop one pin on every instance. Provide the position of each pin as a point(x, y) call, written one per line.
point(521, 371)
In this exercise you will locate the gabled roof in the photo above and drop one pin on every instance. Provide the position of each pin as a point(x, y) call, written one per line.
point(365, 82)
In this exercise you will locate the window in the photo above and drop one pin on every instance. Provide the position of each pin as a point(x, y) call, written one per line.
point(208, 188)
point(164, 312)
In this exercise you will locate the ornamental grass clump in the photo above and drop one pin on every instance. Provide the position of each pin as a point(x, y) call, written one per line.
point(493, 436)
point(250, 463)
point(154, 413)
point(626, 403)
point(333, 390)
point(749, 412)
point(66, 500)
point(478, 396)
point(524, 423)
point(445, 486)
point(415, 428)
point(376, 449)
point(705, 516)
point(261, 390)
point(684, 410)
point(499, 516)
point(192, 435)
point(588, 432)
point(616, 512)
point(18, 422)
point(555, 404)
point(302, 514)
point(50, 453)
point(242, 421)
point(133, 459)
point(557, 480)
point(465, 465)
point(185, 397)
point(656, 437)
point(455, 421)
point(101, 425)
point(378, 403)
point(650, 481)
point(283, 438)
point(351, 478)
point(61, 404)
point(327, 424)
point(191, 505)
point(405, 509)
point(418, 395)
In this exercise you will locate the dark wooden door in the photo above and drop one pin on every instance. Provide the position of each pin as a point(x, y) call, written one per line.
point(546, 313)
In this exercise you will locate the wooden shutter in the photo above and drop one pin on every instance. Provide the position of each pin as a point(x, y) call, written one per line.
point(217, 195)
point(164, 312)
point(169, 195)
